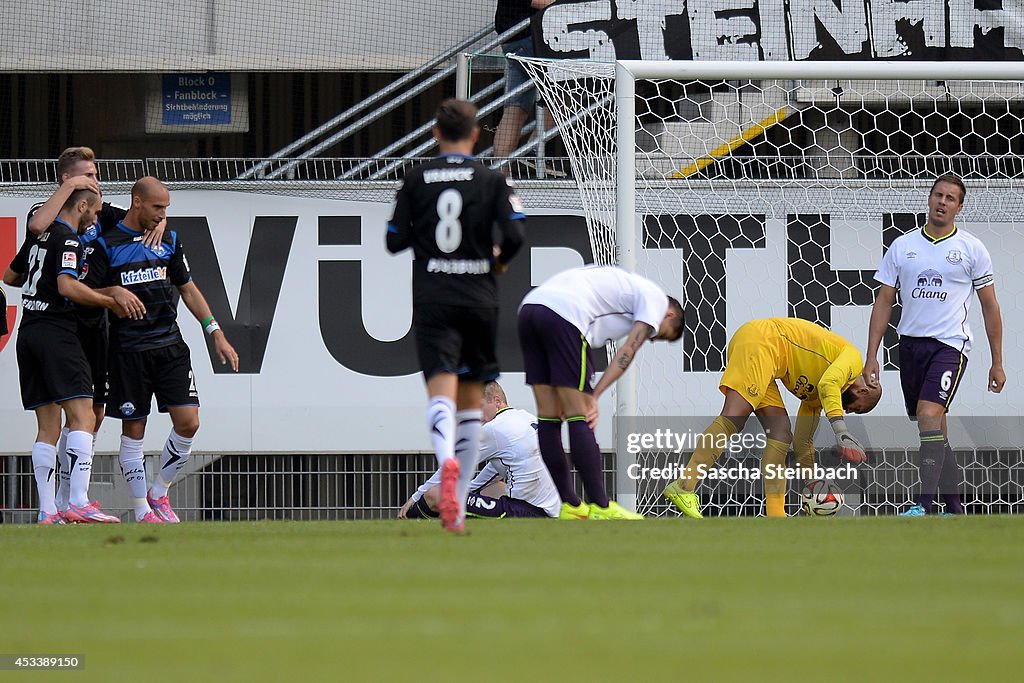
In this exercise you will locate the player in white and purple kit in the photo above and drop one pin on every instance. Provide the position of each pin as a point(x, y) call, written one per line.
point(936, 269)
point(508, 452)
point(559, 323)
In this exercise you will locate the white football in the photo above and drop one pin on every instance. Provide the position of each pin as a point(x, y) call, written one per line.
point(821, 498)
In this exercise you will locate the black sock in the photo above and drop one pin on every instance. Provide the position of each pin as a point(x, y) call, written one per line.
point(549, 437)
point(930, 459)
point(586, 456)
point(949, 482)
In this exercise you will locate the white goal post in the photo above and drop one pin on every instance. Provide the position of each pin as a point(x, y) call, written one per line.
point(757, 189)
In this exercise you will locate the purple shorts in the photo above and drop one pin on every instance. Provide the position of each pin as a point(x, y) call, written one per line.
point(929, 371)
point(499, 508)
point(555, 353)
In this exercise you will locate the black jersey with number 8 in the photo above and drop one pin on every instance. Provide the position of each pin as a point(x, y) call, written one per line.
point(447, 210)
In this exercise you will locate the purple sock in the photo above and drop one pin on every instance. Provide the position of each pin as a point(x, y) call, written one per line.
point(949, 483)
point(931, 457)
point(549, 437)
point(586, 456)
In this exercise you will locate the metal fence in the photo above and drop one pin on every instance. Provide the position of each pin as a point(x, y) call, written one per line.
point(246, 172)
point(250, 487)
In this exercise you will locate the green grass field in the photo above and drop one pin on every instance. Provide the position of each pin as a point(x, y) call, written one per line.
point(718, 600)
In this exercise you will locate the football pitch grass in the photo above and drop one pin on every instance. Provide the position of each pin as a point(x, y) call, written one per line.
point(840, 599)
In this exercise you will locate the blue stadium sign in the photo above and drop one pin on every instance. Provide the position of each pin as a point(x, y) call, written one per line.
point(196, 99)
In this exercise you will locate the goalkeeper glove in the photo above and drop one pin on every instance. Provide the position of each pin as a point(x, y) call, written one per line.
point(848, 448)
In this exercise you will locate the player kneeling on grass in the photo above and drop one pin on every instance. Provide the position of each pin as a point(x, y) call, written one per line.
point(52, 365)
point(149, 356)
point(509, 453)
point(559, 323)
point(817, 366)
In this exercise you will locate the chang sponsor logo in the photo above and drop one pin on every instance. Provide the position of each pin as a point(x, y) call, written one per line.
point(929, 286)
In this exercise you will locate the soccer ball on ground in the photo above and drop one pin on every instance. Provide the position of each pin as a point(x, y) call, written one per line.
point(821, 498)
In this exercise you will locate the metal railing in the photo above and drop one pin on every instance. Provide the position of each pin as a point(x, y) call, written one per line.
point(321, 139)
point(225, 172)
point(253, 486)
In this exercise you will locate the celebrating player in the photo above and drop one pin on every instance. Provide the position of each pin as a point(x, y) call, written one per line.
point(149, 356)
point(817, 366)
point(76, 169)
point(52, 365)
point(508, 451)
point(559, 322)
point(445, 211)
point(935, 269)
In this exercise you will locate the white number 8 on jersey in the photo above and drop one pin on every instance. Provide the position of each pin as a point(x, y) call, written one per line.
point(449, 229)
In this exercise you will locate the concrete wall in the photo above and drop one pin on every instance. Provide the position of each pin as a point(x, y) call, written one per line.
point(233, 35)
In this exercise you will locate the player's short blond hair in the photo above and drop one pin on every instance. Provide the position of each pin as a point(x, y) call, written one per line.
point(493, 390)
point(71, 156)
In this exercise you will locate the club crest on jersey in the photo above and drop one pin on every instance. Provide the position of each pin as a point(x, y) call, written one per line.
point(929, 286)
point(127, 408)
point(141, 275)
point(955, 257)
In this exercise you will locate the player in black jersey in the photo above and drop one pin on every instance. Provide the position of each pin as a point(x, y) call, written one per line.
point(76, 169)
point(149, 356)
point(446, 210)
point(53, 370)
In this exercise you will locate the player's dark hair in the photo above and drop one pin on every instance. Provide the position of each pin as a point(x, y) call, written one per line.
point(71, 156)
point(456, 119)
point(677, 322)
point(848, 398)
point(953, 180)
point(79, 195)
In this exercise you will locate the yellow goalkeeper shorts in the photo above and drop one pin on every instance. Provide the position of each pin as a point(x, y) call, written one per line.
point(756, 359)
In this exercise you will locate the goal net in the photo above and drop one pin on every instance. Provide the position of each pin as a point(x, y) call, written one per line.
point(752, 190)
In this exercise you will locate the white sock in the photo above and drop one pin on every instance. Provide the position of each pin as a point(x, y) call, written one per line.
point(441, 423)
point(133, 467)
point(44, 464)
point(467, 450)
point(79, 450)
point(177, 450)
point(63, 471)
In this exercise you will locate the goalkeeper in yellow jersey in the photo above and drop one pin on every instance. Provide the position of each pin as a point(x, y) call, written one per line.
point(817, 366)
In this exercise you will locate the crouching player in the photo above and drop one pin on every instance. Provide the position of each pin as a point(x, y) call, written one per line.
point(817, 366)
point(508, 451)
